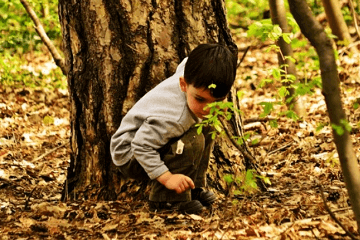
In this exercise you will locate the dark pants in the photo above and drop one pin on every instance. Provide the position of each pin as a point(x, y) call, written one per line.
point(192, 162)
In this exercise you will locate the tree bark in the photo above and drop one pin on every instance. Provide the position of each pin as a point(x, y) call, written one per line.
point(337, 22)
point(331, 91)
point(116, 51)
point(278, 17)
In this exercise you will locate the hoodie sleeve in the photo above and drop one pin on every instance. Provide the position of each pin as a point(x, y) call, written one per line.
point(153, 134)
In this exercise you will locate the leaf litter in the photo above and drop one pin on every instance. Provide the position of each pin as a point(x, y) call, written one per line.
point(34, 156)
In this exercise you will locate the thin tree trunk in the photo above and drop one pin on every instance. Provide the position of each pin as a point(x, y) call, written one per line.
point(331, 91)
point(336, 21)
point(278, 16)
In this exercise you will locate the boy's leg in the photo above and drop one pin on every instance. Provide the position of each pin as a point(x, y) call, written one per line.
point(199, 193)
point(132, 169)
point(187, 163)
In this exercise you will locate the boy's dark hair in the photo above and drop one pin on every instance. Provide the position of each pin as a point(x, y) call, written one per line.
point(211, 64)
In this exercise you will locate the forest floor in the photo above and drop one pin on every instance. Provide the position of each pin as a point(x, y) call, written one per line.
point(298, 159)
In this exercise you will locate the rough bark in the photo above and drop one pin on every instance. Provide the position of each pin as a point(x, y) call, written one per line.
point(278, 17)
point(116, 51)
point(331, 91)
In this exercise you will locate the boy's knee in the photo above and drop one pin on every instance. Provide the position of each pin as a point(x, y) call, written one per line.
point(186, 152)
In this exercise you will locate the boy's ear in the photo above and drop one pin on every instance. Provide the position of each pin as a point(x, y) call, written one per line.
point(183, 84)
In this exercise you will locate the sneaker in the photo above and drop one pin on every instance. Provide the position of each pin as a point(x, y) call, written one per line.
point(205, 197)
point(190, 207)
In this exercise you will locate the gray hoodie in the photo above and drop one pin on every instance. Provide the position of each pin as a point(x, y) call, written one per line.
point(159, 116)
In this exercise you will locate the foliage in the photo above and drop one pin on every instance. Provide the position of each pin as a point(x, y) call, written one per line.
point(246, 11)
point(21, 47)
point(246, 182)
point(264, 30)
point(17, 30)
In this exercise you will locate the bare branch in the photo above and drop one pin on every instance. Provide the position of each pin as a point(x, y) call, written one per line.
point(60, 62)
point(333, 215)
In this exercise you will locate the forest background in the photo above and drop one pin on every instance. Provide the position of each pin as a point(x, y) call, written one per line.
point(297, 156)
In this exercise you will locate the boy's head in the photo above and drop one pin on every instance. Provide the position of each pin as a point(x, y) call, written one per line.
point(211, 64)
point(208, 64)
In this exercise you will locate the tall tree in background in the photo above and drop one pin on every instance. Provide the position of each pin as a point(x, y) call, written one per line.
point(278, 17)
point(115, 52)
point(331, 91)
point(336, 20)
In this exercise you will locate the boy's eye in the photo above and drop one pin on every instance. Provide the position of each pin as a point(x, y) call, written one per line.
point(200, 99)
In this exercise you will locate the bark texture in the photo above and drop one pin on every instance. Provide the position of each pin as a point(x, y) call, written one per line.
point(331, 91)
point(115, 52)
point(278, 17)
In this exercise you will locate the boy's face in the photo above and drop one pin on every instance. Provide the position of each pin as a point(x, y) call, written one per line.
point(197, 98)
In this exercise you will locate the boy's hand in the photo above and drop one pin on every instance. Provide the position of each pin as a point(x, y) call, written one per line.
point(177, 182)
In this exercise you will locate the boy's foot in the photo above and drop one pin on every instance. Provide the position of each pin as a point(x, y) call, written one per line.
point(190, 207)
point(205, 197)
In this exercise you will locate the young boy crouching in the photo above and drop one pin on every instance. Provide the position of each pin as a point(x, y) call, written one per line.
point(157, 138)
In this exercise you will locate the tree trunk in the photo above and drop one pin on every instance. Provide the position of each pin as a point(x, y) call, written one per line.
point(336, 20)
point(116, 51)
point(278, 16)
point(331, 91)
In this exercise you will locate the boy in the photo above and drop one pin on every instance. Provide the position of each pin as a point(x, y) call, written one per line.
point(157, 138)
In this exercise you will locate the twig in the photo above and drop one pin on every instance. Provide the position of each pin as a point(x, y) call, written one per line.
point(26, 207)
point(354, 17)
point(265, 119)
point(333, 215)
point(312, 230)
point(246, 154)
point(243, 56)
point(51, 151)
point(280, 148)
point(40, 30)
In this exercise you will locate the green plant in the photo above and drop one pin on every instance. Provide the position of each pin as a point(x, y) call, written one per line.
point(18, 34)
point(245, 11)
point(246, 182)
point(20, 45)
point(264, 30)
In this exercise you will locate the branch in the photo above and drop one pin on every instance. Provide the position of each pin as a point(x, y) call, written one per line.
point(250, 159)
point(333, 215)
point(60, 62)
point(51, 151)
point(354, 17)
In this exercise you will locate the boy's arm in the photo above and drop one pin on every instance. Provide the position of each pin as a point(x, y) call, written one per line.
point(177, 182)
point(153, 134)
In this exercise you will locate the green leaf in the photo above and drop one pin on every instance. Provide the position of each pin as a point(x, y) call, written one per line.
point(267, 108)
point(290, 58)
point(212, 85)
point(199, 130)
point(228, 178)
point(263, 82)
point(283, 92)
point(276, 73)
point(346, 124)
point(218, 127)
point(356, 105)
point(240, 94)
point(48, 120)
point(267, 180)
point(286, 37)
point(320, 126)
point(273, 123)
point(338, 129)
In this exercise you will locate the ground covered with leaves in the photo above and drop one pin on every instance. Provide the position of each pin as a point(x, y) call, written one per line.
point(298, 157)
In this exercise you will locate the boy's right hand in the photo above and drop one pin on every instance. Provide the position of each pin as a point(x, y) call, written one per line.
point(177, 182)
